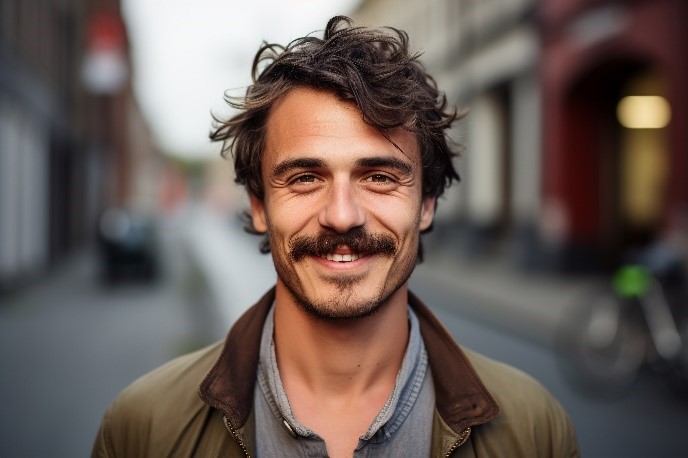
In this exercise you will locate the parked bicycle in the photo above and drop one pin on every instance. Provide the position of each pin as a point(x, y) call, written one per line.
point(639, 320)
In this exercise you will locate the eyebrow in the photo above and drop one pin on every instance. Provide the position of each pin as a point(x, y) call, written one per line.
point(388, 162)
point(376, 161)
point(299, 163)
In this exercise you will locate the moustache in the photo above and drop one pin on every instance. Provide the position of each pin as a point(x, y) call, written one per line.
point(358, 240)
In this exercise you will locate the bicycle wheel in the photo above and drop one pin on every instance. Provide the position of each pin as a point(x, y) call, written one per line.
point(604, 344)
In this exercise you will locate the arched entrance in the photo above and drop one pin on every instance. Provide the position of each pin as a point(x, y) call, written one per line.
point(616, 159)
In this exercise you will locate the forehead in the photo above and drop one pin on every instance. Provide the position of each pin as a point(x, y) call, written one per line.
point(309, 121)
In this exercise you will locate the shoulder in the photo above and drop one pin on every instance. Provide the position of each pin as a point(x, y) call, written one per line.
point(507, 383)
point(176, 380)
point(157, 407)
point(531, 419)
point(175, 376)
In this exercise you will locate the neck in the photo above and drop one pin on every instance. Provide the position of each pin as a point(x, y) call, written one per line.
point(340, 357)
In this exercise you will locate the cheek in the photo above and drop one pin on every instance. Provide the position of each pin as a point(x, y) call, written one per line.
point(288, 218)
point(400, 218)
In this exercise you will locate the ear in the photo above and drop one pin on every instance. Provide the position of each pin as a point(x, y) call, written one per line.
point(258, 214)
point(427, 212)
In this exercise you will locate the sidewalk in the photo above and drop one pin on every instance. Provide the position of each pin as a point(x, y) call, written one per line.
point(235, 272)
point(530, 304)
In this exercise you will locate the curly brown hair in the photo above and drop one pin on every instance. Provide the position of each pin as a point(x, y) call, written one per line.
point(373, 67)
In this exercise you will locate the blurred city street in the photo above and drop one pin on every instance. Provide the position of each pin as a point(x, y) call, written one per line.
point(70, 344)
point(121, 247)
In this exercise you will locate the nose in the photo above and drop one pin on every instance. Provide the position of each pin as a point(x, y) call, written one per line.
point(342, 211)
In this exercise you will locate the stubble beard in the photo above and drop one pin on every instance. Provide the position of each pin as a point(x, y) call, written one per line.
point(344, 304)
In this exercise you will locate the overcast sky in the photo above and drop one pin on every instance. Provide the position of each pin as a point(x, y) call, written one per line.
point(186, 54)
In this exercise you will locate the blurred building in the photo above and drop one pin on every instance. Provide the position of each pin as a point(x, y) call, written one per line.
point(615, 116)
point(554, 175)
point(71, 134)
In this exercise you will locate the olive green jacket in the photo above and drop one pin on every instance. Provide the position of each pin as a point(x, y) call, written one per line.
point(483, 408)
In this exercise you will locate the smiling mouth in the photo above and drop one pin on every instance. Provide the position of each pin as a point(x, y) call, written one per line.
point(341, 257)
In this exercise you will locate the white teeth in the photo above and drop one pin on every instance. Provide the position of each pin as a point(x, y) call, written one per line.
point(341, 257)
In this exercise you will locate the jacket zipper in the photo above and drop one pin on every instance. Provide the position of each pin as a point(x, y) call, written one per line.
point(463, 437)
point(235, 435)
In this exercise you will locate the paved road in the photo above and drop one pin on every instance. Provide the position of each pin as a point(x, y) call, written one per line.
point(68, 346)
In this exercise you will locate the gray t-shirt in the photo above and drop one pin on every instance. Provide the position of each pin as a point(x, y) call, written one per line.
point(403, 427)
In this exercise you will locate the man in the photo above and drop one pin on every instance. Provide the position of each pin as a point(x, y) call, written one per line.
point(341, 145)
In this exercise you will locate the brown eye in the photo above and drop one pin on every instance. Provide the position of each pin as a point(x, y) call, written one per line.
point(379, 178)
point(306, 179)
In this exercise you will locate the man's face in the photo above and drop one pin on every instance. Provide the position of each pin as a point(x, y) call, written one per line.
point(343, 206)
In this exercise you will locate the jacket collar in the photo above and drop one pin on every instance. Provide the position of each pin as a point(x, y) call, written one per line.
point(461, 398)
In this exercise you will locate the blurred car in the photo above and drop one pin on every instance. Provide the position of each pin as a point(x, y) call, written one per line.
point(127, 246)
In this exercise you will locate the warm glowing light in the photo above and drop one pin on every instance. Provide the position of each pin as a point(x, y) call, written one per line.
point(644, 112)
